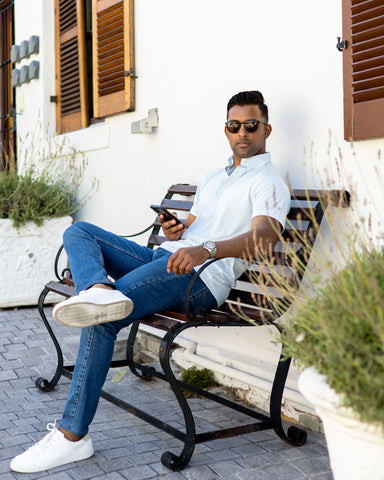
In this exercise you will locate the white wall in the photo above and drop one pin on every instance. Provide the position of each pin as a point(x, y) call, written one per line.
point(191, 57)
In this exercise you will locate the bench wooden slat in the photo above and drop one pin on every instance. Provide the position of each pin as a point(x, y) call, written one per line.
point(156, 240)
point(61, 288)
point(338, 198)
point(181, 205)
point(161, 322)
point(182, 189)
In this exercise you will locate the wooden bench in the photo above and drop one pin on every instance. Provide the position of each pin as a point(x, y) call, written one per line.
point(304, 218)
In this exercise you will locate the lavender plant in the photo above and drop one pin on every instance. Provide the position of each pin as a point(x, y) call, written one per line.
point(46, 184)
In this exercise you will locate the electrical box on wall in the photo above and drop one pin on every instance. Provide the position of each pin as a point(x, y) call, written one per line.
point(15, 53)
point(24, 74)
point(33, 70)
point(15, 78)
point(33, 45)
point(19, 52)
point(24, 49)
point(146, 125)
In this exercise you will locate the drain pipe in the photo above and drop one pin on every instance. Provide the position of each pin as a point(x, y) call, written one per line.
point(253, 388)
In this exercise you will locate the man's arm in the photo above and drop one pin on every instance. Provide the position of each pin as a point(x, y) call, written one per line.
point(259, 240)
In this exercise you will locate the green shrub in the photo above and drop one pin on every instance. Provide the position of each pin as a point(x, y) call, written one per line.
point(25, 198)
point(340, 331)
point(46, 185)
point(200, 378)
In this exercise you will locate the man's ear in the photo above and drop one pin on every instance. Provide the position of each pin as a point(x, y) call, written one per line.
point(267, 130)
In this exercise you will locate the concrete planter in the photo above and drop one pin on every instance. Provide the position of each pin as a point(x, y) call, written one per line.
point(27, 259)
point(356, 449)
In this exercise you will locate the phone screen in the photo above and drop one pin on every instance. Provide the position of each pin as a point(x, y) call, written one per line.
point(160, 210)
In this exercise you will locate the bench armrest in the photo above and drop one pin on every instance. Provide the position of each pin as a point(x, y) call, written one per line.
point(186, 308)
point(60, 276)
point(139, 233)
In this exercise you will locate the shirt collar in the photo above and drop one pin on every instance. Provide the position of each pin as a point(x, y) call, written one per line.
point(250, 163)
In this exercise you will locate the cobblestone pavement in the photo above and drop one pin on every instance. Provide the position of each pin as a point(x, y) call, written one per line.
point(125, 446)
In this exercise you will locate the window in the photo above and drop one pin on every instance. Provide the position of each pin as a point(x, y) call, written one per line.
point(94, 61)
point(363, 68)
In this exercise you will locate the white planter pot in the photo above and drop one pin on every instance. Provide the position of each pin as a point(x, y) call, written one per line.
point(27, 260)
point(356, 449)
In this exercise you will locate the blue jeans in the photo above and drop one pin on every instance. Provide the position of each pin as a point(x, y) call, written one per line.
point(95, 256)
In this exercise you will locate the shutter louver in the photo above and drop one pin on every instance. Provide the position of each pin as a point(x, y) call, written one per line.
point(368, 51)
point(364, 68)
point(72, 112)
point(113, 56)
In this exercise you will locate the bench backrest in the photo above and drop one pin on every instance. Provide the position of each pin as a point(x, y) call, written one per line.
point(302, 225)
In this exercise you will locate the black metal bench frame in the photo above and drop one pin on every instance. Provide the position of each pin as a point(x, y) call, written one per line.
point(307, 210)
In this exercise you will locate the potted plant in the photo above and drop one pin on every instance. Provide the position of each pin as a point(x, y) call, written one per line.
point(336, 334)
point(36, 204)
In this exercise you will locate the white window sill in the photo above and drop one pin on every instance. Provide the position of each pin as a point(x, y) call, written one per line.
point(93, 137)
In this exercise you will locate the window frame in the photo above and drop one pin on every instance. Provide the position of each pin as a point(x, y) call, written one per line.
point(73, 88)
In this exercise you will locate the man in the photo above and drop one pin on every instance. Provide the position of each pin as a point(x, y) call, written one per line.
point(237, 210)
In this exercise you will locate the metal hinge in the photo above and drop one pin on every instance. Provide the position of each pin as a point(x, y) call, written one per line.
point(130, 73)
point(341, 44)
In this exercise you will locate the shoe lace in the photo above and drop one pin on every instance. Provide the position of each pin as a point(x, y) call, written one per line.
point(51, 427)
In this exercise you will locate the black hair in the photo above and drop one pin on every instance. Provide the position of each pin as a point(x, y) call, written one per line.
point(253, 97)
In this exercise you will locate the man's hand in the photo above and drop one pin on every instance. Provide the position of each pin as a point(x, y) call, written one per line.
point(170, 229)
point(184, 259)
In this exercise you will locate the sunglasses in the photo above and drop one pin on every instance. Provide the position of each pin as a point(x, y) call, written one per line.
point(233, 126)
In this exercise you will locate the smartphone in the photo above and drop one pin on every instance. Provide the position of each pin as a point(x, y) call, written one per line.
point(160, 210)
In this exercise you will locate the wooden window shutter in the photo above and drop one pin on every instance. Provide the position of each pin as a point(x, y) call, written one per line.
point(71, 73)
point(113, 57)
point(363, 69)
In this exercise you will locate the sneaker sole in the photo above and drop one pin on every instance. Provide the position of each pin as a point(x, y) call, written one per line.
point(21, 465)
point(49, 466)
point(85, 314)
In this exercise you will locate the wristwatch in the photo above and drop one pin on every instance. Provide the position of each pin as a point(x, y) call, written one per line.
point(211, 248)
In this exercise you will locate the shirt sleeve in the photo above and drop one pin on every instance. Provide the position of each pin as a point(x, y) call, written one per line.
point(272, 199)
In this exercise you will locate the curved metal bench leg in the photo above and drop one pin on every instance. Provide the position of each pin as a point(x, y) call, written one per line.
point(145, 373)
point(295, 436)
point(42, 383)
point(169, 459)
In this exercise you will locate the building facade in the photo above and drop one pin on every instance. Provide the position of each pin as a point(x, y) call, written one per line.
point(107, 69)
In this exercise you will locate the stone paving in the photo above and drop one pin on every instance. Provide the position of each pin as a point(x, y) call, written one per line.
point(125, 446)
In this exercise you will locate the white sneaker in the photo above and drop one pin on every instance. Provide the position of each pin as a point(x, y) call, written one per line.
point(52, 451)
point(93, 306)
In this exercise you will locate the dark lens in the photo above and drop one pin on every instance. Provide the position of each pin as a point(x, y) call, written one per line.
point(233, 127)
point(251, 126)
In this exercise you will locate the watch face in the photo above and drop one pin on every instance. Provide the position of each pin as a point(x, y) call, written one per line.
point(211, 247)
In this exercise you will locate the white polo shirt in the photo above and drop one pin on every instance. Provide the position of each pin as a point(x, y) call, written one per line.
point(224, 207)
